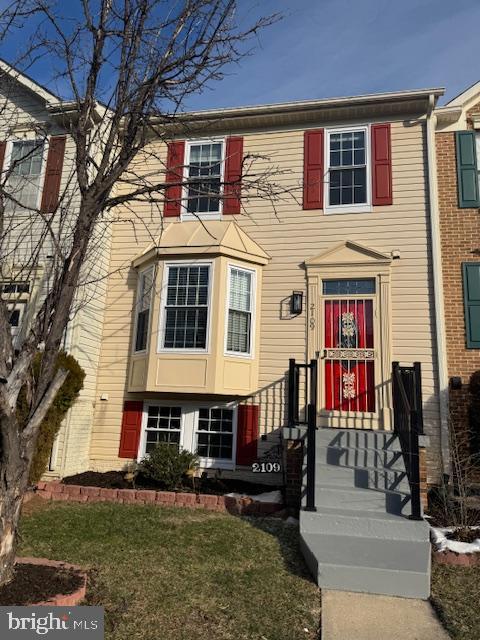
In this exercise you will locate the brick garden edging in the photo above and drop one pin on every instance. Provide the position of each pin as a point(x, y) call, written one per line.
point(60, 600)
point(457, 559)
point(225, 504)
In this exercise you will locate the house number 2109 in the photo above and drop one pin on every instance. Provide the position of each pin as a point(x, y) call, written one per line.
point(266, 467)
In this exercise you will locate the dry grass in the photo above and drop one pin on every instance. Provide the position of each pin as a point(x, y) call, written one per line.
point(176, 574)
point(456, 597)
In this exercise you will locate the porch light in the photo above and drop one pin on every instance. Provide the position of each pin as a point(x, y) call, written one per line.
point(296, 303)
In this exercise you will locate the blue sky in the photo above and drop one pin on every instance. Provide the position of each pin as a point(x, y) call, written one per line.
point(326, 48)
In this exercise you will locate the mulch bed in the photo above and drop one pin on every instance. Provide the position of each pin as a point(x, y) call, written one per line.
point(35, 583)
point(211, 486)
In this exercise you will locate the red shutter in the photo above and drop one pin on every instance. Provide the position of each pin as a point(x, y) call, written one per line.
point(381, 165)
point(3, 146)
point(173, 194)
point(247, 433)
point(233, 175)
point(313, 169)
point(53, 174)
point(131, 426)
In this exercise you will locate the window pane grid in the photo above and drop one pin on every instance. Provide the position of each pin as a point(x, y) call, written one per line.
point(348, 172)
point(239, 312)
point(143, 309)
point(204, 172)
point(163, 425)
point(24, 180)
point(215, 433)
point(360, 286)
point(187, 307)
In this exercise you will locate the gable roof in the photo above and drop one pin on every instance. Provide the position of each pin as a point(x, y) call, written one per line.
point(348, 252)
point(28, 83)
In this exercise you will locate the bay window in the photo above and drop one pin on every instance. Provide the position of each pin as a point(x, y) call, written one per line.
point(144, 303)
point(24, 182)
point(240, 306)
point(347, 164)
point(186, 307)
point(204, 167)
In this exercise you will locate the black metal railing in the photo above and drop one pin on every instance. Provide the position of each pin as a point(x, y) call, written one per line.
point(408, 424)
point(302, 411)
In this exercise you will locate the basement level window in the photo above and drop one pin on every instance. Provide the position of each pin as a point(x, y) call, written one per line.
point(359, 286)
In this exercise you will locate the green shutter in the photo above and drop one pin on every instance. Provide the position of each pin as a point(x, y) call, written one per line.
point(467, 172)
point(471, 295)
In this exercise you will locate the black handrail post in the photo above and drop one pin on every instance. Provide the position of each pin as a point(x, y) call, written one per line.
point(415, 468)
point(418, 396)
point(291, 392)
point(311, 428)
point(313, 382)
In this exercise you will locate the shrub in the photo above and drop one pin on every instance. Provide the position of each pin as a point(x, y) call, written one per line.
point(50, 426)
point(166, 464)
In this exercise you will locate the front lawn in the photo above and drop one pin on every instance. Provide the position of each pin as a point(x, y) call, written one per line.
point(456, 597)
point(177, 574)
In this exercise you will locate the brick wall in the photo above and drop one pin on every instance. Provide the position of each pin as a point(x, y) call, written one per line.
point(460, 238)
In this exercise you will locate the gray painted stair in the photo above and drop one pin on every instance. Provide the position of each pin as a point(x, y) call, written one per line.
point(360, 537)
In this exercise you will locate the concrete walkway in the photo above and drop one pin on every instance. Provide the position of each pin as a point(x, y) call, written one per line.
point(361, 616)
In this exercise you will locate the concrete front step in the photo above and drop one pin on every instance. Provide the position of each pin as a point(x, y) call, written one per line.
point(367, 458)
point(362, 477)
point(349, 563)
point(358, 439)
point(332, 496)
point(364, 524)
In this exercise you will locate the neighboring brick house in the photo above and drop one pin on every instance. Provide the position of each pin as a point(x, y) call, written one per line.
point(458, 167)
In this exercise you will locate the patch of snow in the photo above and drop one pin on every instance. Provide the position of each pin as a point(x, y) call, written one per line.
point(269, 496)
point(442, 543)
point(291, 521)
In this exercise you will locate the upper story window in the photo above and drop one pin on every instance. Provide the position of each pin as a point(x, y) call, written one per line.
point(240, 307)
point(186, 306)
point(204, 178)
point(347, 167)
point(144, 303)
point(26, 171)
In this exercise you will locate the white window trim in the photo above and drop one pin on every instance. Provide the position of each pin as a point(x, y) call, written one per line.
point(8, 159)
point(163, 300)
point(251, 352)
point(137, 301)
point(189, 429)
point(207, 215)
point(347, 208)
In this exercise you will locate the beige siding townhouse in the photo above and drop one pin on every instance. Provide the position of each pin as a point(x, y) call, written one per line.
point(34, 136)
point(207, 305)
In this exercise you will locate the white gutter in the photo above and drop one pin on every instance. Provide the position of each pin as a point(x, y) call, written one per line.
point(438, 286)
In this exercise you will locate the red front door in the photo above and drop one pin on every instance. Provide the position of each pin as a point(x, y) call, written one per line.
point(349, 355)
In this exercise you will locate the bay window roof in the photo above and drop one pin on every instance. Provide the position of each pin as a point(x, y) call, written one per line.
point(203, 238)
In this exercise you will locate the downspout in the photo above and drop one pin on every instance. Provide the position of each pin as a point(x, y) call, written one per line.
point(441, 342)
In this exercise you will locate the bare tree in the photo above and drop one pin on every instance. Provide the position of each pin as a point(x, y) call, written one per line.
point(125, 69)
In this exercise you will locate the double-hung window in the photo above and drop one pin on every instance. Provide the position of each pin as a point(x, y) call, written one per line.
point(163, 425)
point(347, 164)
point(25, 174)
point(215, 433)
point(144, 303)
point(204, 178)
point(186, 307)
point(240, 307)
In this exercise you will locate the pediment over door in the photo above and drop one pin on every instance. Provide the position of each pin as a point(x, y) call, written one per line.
point(348, 253)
